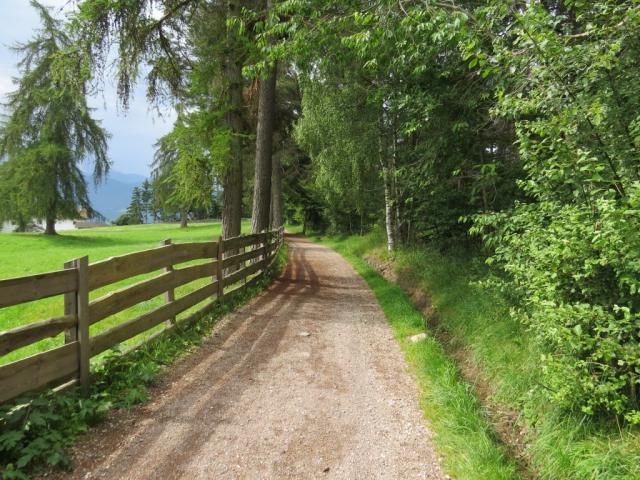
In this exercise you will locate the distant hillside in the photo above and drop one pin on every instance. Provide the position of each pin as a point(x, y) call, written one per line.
point(112, 197)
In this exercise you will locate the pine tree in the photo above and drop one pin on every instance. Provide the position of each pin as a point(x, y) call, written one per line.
point(135, 211)
point(147, 201)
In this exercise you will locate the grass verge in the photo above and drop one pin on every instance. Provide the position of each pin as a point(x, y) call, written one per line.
point(476, 322)
point(464, 435)
point(37, 430)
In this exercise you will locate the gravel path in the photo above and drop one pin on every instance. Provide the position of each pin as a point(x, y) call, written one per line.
point(305, 382)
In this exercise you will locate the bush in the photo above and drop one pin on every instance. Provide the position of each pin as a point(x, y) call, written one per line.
point(576, 275)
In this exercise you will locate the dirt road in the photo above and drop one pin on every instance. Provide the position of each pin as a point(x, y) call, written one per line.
point(304, 382)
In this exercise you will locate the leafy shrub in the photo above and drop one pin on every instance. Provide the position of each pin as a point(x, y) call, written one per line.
point(577, 279)
point(571, 253)
point(37, 431)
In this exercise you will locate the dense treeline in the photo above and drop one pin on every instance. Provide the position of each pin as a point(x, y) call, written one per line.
point(153, 202)
point(514, 121)
point(514, 124)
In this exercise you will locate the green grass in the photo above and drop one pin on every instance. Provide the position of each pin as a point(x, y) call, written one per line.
point(295, 229)
point(560, 445)
point(464, 436)
point(26, 254)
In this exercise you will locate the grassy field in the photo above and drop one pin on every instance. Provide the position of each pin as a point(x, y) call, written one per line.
point(25, 254)
point(559, 445)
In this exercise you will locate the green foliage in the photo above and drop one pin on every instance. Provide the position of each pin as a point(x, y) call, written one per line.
point(48, 130)
point(343, 152)
point(147, 197)
point(122, 220)
point(135, 210)
point(578, 293)
point(38, 431)
point(133, 29)
point(571, 252)
point(518, 119)
point(398, 97)
point(188, 160)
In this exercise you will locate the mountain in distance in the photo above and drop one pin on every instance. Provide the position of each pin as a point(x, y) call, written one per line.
point(111, 197)
point(129, 178)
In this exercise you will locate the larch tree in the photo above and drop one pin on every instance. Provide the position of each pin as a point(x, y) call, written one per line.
point(166, 177)
point(187, 159)
point(182, 42)
point(48, 130)
point(135, 211)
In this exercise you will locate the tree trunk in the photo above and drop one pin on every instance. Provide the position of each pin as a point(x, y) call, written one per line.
point(276, 194)
point(232, 200)
point(21, 225)
point(232, 178)
point(394, 189)
point(389, 214)
point(388, 211)
point(184, 219)
point(50, 228)
point(264, 147)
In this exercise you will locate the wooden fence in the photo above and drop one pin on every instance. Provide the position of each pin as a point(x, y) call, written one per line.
point(232, 262)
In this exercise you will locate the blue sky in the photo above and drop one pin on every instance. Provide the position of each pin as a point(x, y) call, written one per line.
point(133, 133)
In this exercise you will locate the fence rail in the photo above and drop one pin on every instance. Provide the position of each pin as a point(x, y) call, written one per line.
point(226, 264)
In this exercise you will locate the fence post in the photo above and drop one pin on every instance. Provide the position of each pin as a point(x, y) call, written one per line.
point(82, 305)
point(71, 307)
point(243, 265)
point(170, 295)
point(265, 247)
point(220, 270)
